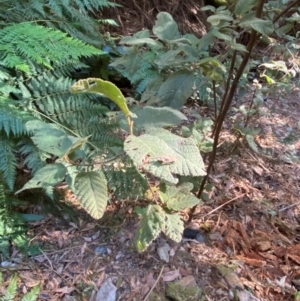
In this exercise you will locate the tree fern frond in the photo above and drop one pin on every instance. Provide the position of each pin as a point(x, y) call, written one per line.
point(41, 45)
point(12, 120)
point(72, 17)
point(34, 157)
point(8, 161)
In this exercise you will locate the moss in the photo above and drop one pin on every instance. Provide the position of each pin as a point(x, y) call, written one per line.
point(180, 293)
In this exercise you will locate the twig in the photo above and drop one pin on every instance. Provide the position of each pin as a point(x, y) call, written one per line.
point(288, 207)
point(154, 285)
point(216, 209)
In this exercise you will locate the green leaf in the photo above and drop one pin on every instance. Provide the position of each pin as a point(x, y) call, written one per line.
point(243, 6)
point(163, 154)
point(106, 88)
point(157, 117)
point(145, 152)
point(165, 27)
point(189, 161)
point(91, 191)
point(4, 245)
point(140, 41)
point(216, 19)
point(49, 137)
point(173, 226)
point(179, 198)
point(28, 217)
point(265, 27)
point(152, 223)
point(33, 294)
point(46, 178)
point(176, 89)
point(11, 290)
point(252, 144)
point(222, 36)
point(181, 55)
point(238, 47)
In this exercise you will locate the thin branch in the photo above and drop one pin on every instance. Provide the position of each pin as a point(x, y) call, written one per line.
point(283, 12)
point(154, 285)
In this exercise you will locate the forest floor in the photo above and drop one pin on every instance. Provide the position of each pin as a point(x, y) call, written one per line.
point(250, 230)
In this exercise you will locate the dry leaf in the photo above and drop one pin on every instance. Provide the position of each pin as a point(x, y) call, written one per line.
point(170, 276)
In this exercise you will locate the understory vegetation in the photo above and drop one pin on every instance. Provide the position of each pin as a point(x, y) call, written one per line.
point(64, 121)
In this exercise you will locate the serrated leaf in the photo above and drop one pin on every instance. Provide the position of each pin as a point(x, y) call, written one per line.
point(173, 227)
point(165, 27)
point(144, 151)
point(190, 162)
point(91, 191)
point(152, 223)
point(11, 290)
point(176, 89)
point(179, 198)
point(33, 294)
point(183, 201)
point(46, 178)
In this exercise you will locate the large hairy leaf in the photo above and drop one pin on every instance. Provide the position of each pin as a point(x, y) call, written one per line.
point(91, 191)
point(146, 151)
point(165, 27)
point(163, 154)
point(189, 161)
point(173, 227)
point(176, 89)
point(46, 178)
point(152, 223)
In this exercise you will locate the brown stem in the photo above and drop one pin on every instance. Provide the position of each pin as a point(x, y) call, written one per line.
point(215, 99)
point(228, 101)
point(226, 89)
point(292, 4)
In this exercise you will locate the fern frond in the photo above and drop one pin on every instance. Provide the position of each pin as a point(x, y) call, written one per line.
point(44, 46)
point(34, 157)
point(8, 161)
point(72, 17)
point(12, 120)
